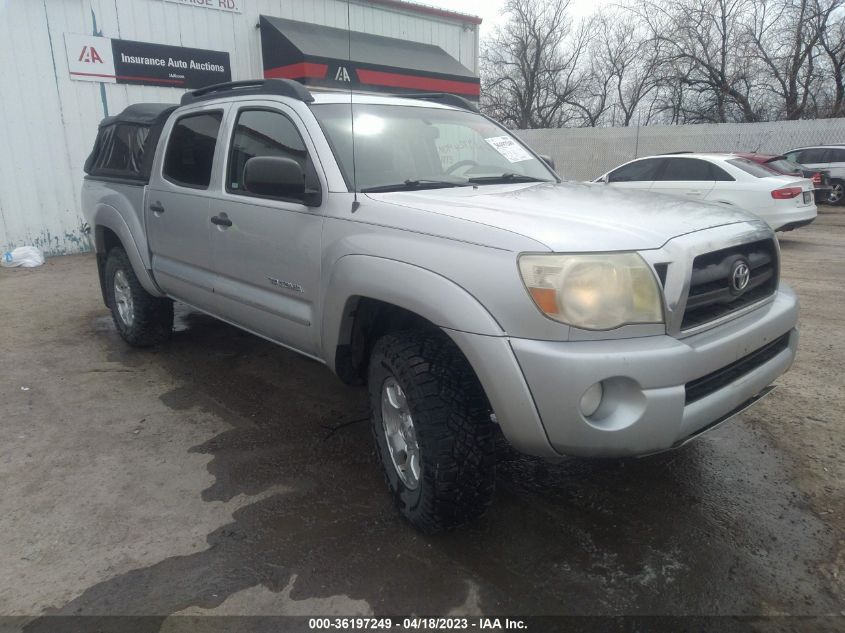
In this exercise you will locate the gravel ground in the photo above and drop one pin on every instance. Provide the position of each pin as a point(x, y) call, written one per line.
point(219, 474)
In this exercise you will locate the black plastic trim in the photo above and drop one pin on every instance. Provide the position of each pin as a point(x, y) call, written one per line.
point(278, 87)
point(712, 382)
point(446, 98)
point(135, 182)
point(796, 225)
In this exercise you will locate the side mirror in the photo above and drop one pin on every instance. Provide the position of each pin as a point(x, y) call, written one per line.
point(602, 179)
point(548, 160)
point(279, 177)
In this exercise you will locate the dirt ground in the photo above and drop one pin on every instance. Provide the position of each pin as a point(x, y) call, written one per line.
point(220, 474)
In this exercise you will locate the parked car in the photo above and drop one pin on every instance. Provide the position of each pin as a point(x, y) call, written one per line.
point(437, 259)
point(830, 158)
point(782, 165)
point(784, 202)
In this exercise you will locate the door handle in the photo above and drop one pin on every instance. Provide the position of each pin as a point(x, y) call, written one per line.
point(221, 220)
point(157, 208)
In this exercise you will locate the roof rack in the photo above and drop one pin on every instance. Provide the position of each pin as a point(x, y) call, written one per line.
point(281, 87)
point(686, 151)
point(442, 97)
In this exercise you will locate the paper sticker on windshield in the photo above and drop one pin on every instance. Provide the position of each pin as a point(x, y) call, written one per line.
point(509, 148)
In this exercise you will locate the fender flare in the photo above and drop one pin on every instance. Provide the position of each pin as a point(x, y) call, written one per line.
point(419, 290)
point(108, 217)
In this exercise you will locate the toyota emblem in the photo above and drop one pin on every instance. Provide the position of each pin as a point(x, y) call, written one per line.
point(740, 275)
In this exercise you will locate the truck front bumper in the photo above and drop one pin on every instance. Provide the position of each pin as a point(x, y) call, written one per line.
point(659, 391)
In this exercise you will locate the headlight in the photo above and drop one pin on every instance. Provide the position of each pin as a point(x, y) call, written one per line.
point(595, 291)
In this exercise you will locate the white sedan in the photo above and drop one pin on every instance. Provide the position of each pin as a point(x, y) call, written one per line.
point(784, 202)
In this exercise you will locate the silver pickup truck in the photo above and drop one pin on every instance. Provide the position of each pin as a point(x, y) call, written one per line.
point(412, 244)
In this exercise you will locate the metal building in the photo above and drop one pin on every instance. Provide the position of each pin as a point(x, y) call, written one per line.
point(66, 64)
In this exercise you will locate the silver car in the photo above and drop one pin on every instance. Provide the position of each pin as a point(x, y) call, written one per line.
point(423, 250)
point(829, 158)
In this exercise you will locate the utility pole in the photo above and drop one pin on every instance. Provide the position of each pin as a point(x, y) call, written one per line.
point(637, 141)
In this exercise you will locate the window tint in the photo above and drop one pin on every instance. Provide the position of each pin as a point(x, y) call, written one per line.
point(635, 172)
point(190, 151)
point(686, 169)
point(835, 156)
point(719, 174)
point(813, 155)
point(262, 133)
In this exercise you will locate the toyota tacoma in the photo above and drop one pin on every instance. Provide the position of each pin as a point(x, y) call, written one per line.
point(416, 246)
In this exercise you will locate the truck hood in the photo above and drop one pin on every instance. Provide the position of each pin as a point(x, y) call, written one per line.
point(568, 217)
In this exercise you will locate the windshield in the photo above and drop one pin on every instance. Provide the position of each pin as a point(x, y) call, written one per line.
point(409, 147)
point(785, 165)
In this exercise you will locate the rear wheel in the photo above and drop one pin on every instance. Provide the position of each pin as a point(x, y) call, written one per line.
point(432, 429)
point(837, 193)
point(141, 319)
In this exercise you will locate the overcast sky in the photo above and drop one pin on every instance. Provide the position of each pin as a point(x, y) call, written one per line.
point(488, 10)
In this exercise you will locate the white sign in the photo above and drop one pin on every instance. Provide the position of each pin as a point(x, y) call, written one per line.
point(221, 5)
point(509, 148)
point(90, 58)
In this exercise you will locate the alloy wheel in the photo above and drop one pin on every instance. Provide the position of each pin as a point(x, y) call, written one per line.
point(400, 433)
point(123, 298)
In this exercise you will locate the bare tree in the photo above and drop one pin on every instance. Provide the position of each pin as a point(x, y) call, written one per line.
point(594, 95)
point(832, 44)
point(708, 40)
point(530, 68)
point(652, 61)
point(633, 62)
point(785, 36)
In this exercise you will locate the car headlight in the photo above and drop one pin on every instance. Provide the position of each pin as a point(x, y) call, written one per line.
point(593, 291)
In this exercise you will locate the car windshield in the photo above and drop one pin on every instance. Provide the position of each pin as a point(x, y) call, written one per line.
point(400, 147)
point(755, 169)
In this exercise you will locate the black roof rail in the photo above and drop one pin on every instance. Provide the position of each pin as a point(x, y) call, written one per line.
point(686, 151)
point(442, 97)
point(281, 87)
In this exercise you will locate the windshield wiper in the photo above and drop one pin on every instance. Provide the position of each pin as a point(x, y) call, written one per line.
point(420, 183)
point(506, 177)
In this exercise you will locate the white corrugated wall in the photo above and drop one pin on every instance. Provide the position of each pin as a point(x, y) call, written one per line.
point(587, 153)
point(48, 121)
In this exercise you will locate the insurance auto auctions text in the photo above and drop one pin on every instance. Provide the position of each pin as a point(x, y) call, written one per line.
point(171, 63)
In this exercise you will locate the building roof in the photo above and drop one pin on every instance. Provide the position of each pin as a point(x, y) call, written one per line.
point(425, 9)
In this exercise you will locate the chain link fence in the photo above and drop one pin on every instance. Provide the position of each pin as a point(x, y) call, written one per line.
point(586, 153)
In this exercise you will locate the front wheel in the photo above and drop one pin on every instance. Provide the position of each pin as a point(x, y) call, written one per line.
point(432, 429)
point(141, 319)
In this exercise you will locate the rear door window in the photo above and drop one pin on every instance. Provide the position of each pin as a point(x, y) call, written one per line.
point(190, 150)
point(685, 169)
point(814, 155)
point(836, 155)
point(638, 171)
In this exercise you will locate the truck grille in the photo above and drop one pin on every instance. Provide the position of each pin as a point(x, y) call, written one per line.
point(712, 293)
point(704, 386)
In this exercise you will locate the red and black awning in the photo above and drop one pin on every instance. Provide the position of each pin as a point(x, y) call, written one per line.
point(326, 56)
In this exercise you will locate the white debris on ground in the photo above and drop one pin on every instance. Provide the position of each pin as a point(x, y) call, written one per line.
point(23, 256)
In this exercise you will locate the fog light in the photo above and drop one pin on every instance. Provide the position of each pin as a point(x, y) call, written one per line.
point(591, 400)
